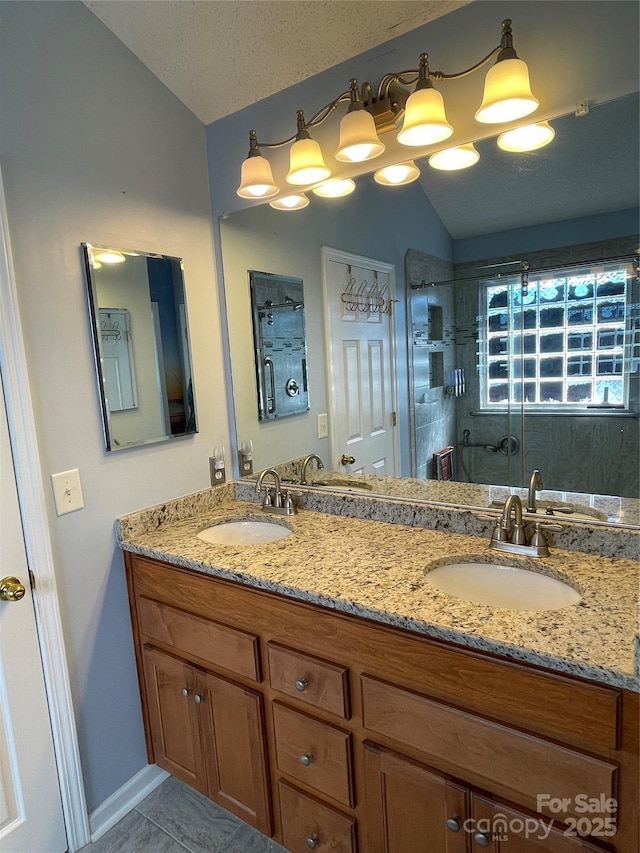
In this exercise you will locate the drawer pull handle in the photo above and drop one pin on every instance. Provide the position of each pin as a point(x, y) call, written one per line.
point(301, 685)
point(306, 759)
point(453, 823)
point(312, 841)
point(482, 839)
point(198, 698)
point(186, 691)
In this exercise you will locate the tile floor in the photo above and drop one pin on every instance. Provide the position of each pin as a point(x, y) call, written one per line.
point(176, 819)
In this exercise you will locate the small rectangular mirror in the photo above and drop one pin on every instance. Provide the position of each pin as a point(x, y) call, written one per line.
point(140, 333)
point(280, 346)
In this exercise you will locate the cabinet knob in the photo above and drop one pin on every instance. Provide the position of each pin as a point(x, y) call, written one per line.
point(198, 698)
point(482, 839)
point(312, 841)
point(345, 459)
point(453, 823)
point(301, 685)
point(306, 759)
point(186, 691)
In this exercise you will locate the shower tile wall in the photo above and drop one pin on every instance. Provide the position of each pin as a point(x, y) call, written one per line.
point(432, 357)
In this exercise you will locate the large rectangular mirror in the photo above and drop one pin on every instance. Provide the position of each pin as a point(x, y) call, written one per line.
point(140, 332)
point(575, 201)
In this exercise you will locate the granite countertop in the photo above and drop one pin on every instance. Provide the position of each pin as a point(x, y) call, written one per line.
point(377, 570)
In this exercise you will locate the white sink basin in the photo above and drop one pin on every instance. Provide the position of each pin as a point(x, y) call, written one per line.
point(503, 586)
point(248, 532)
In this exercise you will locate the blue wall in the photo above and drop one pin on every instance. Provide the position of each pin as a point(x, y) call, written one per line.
point(551, 235)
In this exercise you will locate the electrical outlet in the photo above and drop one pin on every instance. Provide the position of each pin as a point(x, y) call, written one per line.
point(67, 491)
point(323, 426)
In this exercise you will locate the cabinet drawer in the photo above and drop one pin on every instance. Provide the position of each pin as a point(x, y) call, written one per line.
point(317, 682)
point(220, 645)
point(314, 753)
point(517, 764)
point(310, 825)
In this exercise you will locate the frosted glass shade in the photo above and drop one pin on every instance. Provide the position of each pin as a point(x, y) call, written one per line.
point(335, 188)
point(507, 93)
point(425, 122)
point(358, 138)
point(400, 173)
point(290, 202)
point(306, 164)
point(256, 179)
point(460, 157)
point(527, 138)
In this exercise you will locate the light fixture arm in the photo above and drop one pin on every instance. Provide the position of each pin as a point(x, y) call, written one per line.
point(302, 129)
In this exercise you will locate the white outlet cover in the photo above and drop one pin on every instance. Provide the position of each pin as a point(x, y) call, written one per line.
point(67, 491)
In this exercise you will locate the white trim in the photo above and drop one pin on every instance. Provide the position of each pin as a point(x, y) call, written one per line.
point(127, 797)
point(26, 459)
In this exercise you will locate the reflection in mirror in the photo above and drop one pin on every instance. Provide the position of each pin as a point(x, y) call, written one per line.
point(575, 201)
point(139, 325)
point(279, 344)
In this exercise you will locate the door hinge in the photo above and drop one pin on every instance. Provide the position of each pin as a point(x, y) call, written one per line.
point(394, 419)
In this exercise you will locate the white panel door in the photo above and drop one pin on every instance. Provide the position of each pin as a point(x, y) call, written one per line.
point(360, 362)
point(31, 818)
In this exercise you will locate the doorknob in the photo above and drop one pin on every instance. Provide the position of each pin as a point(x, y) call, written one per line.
point(11, 589)
point(347, 460)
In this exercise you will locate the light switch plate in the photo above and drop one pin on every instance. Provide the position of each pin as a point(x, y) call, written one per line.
point(323, 426)
point(67, 491)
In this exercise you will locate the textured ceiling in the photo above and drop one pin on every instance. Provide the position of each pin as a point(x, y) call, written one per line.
point(218, 56)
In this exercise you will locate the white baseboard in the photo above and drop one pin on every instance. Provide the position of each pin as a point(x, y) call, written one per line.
point(124, 799)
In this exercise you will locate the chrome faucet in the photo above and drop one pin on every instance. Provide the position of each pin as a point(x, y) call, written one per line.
point(305, 464)
point(275, 500)
point(534, 483)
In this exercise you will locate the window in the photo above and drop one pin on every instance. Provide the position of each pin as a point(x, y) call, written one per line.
point(564, 340)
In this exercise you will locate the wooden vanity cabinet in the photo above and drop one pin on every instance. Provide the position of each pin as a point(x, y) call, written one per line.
point(202, 727)
point(411, 808)
point(341, 735)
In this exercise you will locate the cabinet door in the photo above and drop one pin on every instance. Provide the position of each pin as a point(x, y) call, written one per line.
point(233, 732)
point(173, 716)
point(410, 809)
point(498, 829)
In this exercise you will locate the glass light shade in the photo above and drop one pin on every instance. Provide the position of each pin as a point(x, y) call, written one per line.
point(109, 256)
point(335, 188)
point(460, 157)
point(507, 93)
point(400, 173)
point(290, 202)
point(527, 138)
point(257, 179)
point(358, 138)
point(306, 164)
point(425, 122)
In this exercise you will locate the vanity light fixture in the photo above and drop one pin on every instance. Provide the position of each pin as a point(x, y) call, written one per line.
point(407, 100)
point(451, 159)
point(398, 174)
point(528, 138)
point(290, 202)
point(335, 188)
